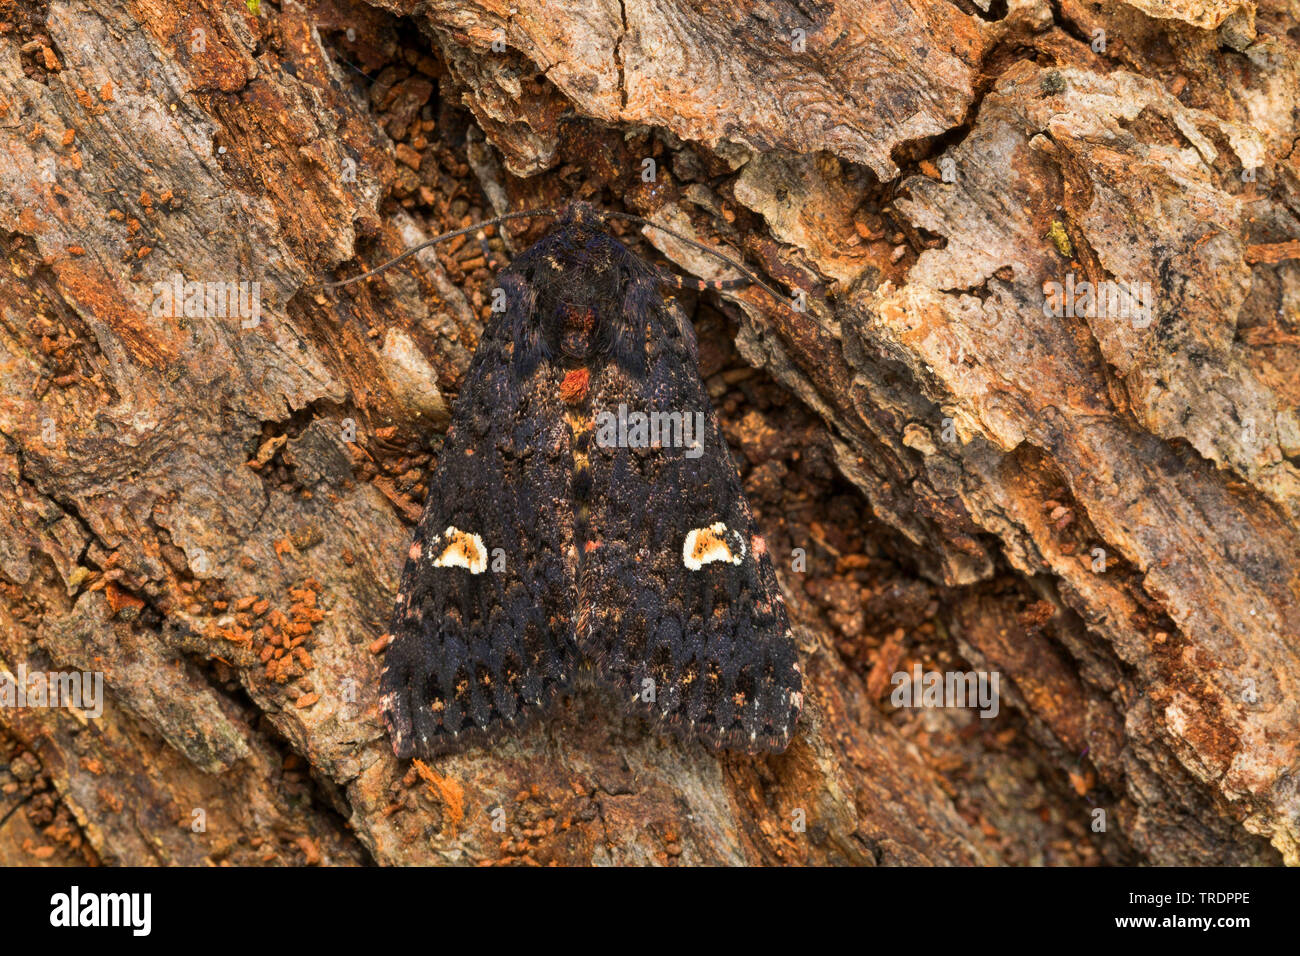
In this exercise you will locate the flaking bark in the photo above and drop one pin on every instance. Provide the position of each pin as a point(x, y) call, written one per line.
point(212, 511)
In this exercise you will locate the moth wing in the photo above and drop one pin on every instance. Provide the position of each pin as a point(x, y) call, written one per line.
point(679, 606)
point(483, 627)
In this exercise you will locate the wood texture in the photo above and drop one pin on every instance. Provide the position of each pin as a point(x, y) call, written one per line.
point(212, 511)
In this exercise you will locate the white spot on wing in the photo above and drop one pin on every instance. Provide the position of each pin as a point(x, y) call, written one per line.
point(714, 543)
point(462, 549)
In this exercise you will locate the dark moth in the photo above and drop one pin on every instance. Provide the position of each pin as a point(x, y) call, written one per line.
point(555, 540)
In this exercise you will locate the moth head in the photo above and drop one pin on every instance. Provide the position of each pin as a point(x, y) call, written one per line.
point(581, 276)
point(581, 213)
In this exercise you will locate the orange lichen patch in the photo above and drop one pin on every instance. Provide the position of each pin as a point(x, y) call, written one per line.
point(123, 603)
point(88, 103)
point(303, 596)
point(273, 637)
point(306, 700)
point(283, 546)
point(110, 799)
point(310, 852)
point(1082, 782)
point(235, 634)
point(574, 387)
point(451, 794)
point(106, 92)
point(1271, 252)
point(536, 821)
point(32, 224)
point(150, 343)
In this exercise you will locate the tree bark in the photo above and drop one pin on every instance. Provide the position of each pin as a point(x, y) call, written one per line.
point(960, 466)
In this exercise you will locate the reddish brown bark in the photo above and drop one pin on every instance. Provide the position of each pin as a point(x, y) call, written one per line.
point(212, 512)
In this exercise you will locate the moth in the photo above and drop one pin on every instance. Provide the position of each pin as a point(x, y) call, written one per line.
point(563, 535)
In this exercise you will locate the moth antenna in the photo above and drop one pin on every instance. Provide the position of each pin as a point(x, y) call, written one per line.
point(538, 213)
point(703, 248)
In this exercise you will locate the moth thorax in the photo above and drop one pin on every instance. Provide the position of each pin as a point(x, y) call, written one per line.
point(577, 330)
